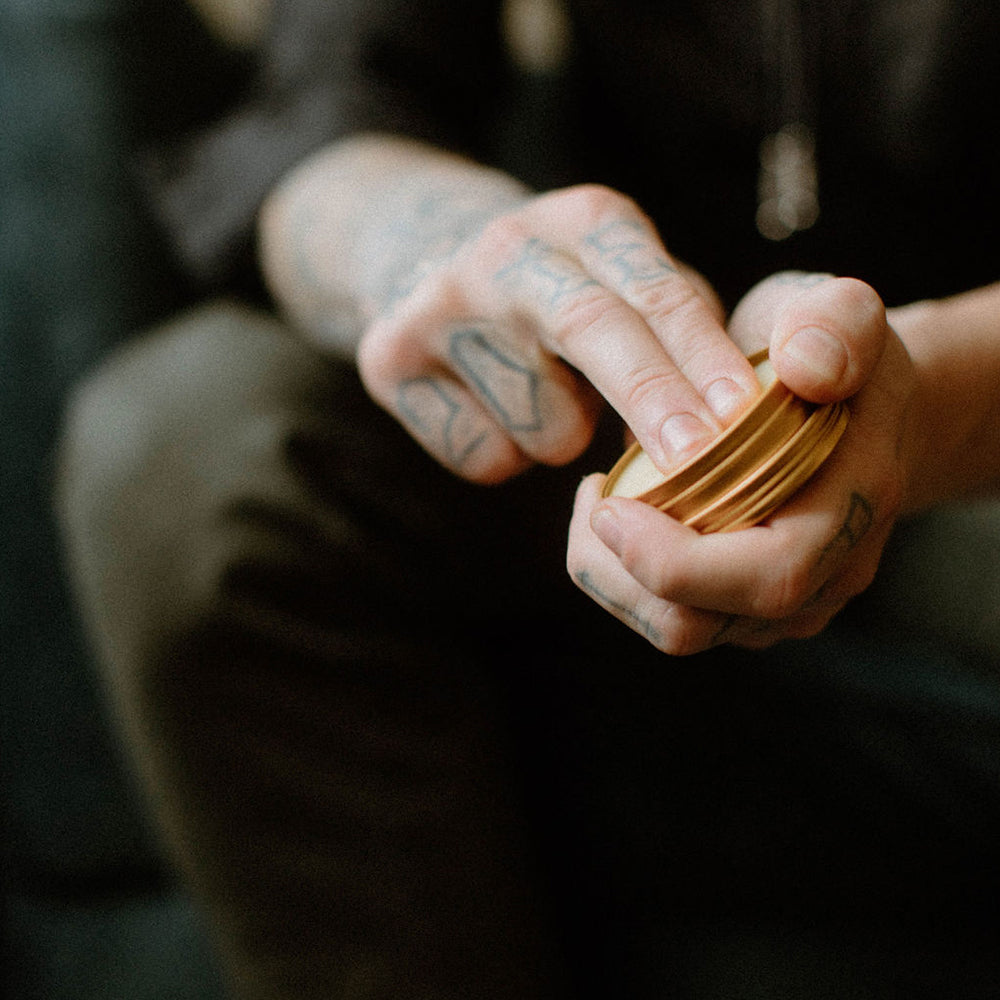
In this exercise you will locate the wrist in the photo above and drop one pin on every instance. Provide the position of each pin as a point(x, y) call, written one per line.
point(911, 324)
point(345, 232)
point(950, 448)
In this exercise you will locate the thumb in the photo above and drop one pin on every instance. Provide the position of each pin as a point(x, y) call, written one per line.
point(827, 339)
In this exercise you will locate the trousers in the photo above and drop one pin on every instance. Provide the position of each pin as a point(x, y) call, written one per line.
point(395, 753)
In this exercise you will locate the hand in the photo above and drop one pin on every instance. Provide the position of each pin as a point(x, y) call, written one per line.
point(497, 353)
point(788, 577)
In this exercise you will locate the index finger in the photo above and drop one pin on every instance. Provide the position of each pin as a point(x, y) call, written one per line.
point(641, 330)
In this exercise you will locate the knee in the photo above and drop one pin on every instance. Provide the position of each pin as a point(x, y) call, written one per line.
point(164, 449)
point(126, 413)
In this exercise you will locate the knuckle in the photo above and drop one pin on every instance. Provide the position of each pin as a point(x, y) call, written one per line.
point(890, 502)
point(597, 200)
point(401, 343)
point(428, 286)
point(863, 578)
point(669, 299)
point(681, 635)
point(380, 355)
point(850, 306)
point(643, 391)
point(439, 292)
point(668, 296)
point(867, 331)
point(791, 586)
point(860, 296)
point(501, 238)
point(864, 311)
point(580, 315)
point(808, 627)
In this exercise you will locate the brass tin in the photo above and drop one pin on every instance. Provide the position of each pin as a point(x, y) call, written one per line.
point(752, 468)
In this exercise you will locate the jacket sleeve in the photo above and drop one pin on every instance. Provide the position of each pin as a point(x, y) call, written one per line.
point(429, 69)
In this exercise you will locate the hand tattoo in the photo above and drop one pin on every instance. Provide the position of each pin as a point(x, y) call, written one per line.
point(425, 229)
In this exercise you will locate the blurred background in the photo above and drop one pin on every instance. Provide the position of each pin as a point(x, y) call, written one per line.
point(88, 909)
point(87, 87)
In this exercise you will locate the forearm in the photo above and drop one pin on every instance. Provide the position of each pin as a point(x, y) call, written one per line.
point(349, 231)
point(953, 447)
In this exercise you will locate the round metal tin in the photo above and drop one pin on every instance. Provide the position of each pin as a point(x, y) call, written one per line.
point(752, 468)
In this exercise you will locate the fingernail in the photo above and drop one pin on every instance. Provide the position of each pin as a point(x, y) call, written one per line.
point(819, 352)
point(683, 434)
point(605, 524)
point(725, 398)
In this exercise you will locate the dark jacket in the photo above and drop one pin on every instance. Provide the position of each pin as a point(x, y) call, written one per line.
point(665, 101)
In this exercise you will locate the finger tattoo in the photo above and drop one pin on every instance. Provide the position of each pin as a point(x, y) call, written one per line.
point(642, 625)
point(506, 385)
point(625, 246)
point(544, 268)
point(856, 524)
point(432, 410)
